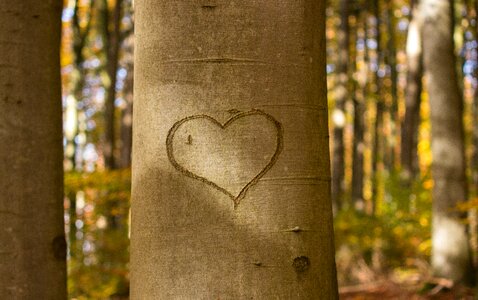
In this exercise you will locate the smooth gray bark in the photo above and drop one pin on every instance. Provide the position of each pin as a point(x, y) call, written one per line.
point(450, 246)
point(32, 239)
point(231, 172)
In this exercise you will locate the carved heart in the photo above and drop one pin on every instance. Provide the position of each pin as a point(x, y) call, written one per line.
point(178, 151)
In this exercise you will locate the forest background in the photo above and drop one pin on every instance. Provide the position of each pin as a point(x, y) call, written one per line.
point(380, 132)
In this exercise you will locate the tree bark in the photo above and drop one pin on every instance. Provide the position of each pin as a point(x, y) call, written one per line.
point(391, 61)
point(338, 115)
point(379, 109)
point(231, 178)
point(32, 239)
point(112, 46)
point(127, 111)
point(450, 247)
point(127, 122)
point(413, 91)
point(359, 101)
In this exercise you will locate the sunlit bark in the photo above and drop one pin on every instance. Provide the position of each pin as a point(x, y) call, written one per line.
point(231, 172)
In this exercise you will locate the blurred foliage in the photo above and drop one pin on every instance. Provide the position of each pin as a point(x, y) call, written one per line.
point(399, 231)
point(394, 238)
point(99, 244)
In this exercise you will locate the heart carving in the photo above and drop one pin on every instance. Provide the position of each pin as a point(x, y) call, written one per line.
point(221, 128)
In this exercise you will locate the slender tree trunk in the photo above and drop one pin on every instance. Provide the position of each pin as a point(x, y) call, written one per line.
point(126, 130)
point(391, 61)
point(112, 40)
point(379, 110)
point(231, 179)
point(127, 121)
point(32, 239)
point(359, 102)
point(450, 247)
point(413, 91)
point(338, 116)
point(112, 45)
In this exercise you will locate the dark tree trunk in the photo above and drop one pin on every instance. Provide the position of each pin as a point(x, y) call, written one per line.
point(391, 61)
point(338, 115)
point(413, 91)
point(359, 102)
point(127, 121)
point(112, 45)
point(379, 110)
point(32, 238)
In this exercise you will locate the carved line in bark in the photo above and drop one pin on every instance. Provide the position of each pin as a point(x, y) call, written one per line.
point(255, 112)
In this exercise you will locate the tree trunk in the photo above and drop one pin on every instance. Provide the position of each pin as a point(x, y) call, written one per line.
point(32, 239)
point(231, 179)
point(112, 45)
point(411, 121)
point(338, 115)
point(450, 246)
point(126, 130)
point(379, 105)
point(127, 122)
point(127, 111)
point(391, 61)
point(359, 101)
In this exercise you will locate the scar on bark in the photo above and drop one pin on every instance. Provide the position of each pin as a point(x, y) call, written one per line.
point(254, 112)
point(301, 264)
point(209, 5)
point(59, 247)
point(234, 111)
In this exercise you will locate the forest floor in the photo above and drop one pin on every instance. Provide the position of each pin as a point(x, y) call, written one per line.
point(388, 289)
point(359, 280)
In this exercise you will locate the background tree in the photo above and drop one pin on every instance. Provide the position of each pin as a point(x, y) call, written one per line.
point(378, 137)
point(112, 43)
point(450, 250)
point(359, 98)
point(240, 210)
point(411, 121)
point(97, 220)
point(339, 114)
point(372, 248)
point(32, 239)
